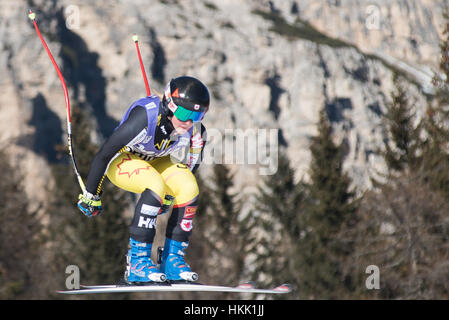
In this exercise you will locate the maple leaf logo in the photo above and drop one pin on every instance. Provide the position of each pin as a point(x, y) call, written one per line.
point(125, 170)
point(186, 225)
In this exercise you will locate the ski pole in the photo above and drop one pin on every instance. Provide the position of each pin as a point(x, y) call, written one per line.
point(136, 41)
point(32, 17)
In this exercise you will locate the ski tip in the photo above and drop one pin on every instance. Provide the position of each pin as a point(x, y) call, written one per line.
point(63, 291)
point(85, 286)
point(247, 285)
point(284, 288)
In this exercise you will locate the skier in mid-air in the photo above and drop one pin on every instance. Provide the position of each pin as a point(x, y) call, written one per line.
point(139, 157)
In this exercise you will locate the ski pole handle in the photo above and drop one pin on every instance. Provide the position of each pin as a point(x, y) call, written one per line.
point(136, 41)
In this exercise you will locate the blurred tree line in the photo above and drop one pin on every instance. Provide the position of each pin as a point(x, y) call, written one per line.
point(318, 233)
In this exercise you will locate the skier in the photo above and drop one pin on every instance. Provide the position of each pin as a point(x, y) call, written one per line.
point(140, 157)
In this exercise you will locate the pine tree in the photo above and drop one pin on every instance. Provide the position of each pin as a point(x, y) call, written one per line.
point(405, 134)
point(277, 211)
point(404, 228)
point(403, 231)
point(21, 252)
point(436, 150)
point(96, 245)
point(436, 146)
point(199, 250)
point(224, 231)
point(434, 155)
point(441, 83)
point(282, 197)
point(330, 210)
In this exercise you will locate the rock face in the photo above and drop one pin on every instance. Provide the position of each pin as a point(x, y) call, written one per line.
point(268, 64)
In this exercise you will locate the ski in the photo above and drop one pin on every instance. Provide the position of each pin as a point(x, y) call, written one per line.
point(244, 285)
point(176, 287)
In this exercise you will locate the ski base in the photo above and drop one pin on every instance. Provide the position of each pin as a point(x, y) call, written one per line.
point(177, 287)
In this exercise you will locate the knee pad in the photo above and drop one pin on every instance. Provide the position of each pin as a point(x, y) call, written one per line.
point(143, 225)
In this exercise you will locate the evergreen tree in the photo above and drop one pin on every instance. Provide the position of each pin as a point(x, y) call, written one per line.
point(282, 197)
point(436, 145)
point(404, 228)
point(404, 134)
point(199, 250)
point(402, 232)
point(441, 83)
point(330, 211)
point(21, 252)
point(434, 155)
point(277, 211)
point(223, 231)
point(96, 245)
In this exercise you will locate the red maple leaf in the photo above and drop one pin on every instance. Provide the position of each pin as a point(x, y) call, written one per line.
point(136, 171)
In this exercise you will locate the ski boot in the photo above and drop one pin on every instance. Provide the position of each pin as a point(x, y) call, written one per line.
point(139, 267)
point(173, 264)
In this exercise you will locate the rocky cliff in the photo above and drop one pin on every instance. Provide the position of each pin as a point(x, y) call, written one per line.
point(269, 65)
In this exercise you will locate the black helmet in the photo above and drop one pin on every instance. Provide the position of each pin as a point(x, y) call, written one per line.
point(187, 98)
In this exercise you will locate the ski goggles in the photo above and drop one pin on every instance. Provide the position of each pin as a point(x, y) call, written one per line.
point(184, 114)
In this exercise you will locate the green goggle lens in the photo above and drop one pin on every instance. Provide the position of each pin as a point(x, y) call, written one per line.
point(184, 114)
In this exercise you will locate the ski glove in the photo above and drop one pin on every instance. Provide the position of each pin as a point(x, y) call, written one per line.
point(168, 201)
point(89, 204)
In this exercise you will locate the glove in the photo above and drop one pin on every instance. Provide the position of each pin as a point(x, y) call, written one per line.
point(89, 204)
point(168, 201)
